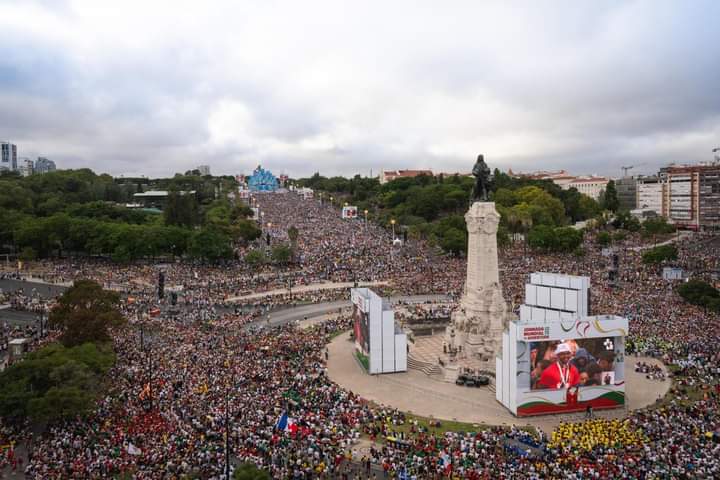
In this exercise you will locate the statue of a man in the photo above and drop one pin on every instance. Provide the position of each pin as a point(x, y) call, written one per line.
point(482, 180)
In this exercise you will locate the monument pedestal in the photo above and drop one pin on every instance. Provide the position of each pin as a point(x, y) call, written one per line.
point(476, 328)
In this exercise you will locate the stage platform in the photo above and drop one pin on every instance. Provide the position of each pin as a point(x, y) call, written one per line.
point(430, 396)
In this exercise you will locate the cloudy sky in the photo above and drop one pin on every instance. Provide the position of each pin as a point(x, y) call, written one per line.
point(156, 87)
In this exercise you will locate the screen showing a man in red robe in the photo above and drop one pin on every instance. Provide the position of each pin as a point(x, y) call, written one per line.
point(572, 363)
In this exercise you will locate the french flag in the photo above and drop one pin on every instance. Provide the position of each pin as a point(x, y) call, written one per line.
point(286, 424)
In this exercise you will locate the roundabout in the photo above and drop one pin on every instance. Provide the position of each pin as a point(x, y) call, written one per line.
point(419, 394)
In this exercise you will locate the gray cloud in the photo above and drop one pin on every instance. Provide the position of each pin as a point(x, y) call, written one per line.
point(342, 89)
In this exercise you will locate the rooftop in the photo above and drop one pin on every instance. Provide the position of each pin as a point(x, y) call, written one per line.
point(159, 193)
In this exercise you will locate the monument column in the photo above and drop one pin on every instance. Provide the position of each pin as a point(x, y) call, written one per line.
point(476, 329)
point(482, 264)
point(483, 310)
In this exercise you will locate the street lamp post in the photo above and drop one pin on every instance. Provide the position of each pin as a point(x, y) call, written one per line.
point(366, 213)
point(392, 222)
point(227, 436)
point(227, 412)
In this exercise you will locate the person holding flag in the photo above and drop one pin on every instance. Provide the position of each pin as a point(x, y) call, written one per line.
point(286, 424)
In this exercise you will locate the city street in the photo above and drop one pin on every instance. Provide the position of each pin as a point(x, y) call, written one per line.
point(44, 290)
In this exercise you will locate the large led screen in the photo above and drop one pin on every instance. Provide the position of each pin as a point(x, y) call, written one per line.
point(361, 327)
point(573, 363)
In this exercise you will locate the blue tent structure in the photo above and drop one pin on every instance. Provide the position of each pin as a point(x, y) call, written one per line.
point(262, 180)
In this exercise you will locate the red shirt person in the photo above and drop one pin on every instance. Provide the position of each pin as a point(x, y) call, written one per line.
point(561, 374)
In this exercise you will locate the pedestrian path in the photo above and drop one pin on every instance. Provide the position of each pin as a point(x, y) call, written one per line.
point(315, 287)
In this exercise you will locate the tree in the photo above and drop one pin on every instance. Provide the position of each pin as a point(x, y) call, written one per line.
point(181, 209)
point(211, 244)
point(248, 471)
point(700, 293)
point(503, 238)
point(588, 208)
point(555, 239)
point(657, 226)
point(293, 236)
point(660, 254)
point(541, 238)
point(453, 240)
point(246, 230)
point(241, 211)
point(603, 239)
point(281, 254)
point(624, 220)
point(85, 313)
point(255, 258)
point(609, 198)
point(28, 254)
point(54, 382)
point(567, 239)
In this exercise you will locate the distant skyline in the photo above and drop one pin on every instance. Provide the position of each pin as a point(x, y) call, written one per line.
point(158, 87)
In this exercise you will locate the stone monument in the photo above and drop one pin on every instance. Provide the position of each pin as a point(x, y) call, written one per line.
point(475, 331)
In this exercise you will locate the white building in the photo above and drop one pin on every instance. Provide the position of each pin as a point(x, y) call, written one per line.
point(204, 169)
point(8, 156)
point(590, 186)
point(649, 194)
point(44, 165)
point(27, 167)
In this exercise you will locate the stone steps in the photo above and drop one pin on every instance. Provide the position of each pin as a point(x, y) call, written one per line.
point(426, 367)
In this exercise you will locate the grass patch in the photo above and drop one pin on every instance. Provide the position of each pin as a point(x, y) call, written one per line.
point(431, 425)
point(337, 334)
point(445, 425)
point(363, 359)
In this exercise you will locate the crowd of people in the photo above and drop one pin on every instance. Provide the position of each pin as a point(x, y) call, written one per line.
point(651, 371)
point(586, 436)
point(205, 369)
point(424, 313)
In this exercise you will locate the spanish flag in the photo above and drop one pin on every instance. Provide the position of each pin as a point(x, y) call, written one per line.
point(145, 391)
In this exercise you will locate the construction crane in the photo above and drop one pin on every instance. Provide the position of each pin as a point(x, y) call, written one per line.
point(625, 169)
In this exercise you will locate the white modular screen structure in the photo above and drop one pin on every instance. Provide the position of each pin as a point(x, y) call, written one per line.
point(378, 339)
point(557, 358)
point(349, 212)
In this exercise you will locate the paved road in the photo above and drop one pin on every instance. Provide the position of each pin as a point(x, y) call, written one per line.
point(287, 315)
point(15, 317)
point(43, 289)
point(315, 287)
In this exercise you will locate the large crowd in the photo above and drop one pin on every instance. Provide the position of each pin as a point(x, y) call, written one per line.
point(205, 367)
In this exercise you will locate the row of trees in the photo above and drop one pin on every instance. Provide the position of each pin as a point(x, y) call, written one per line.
point(433, 207)
point(61, 234)
point(52, 192)
point(700, 293)
point(64, 379)
point(71, 211)
point(54, 382)
point(279, 254)
point(555, 239)
point(660, 254)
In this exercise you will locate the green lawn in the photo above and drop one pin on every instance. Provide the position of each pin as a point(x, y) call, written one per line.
point(363, 359)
